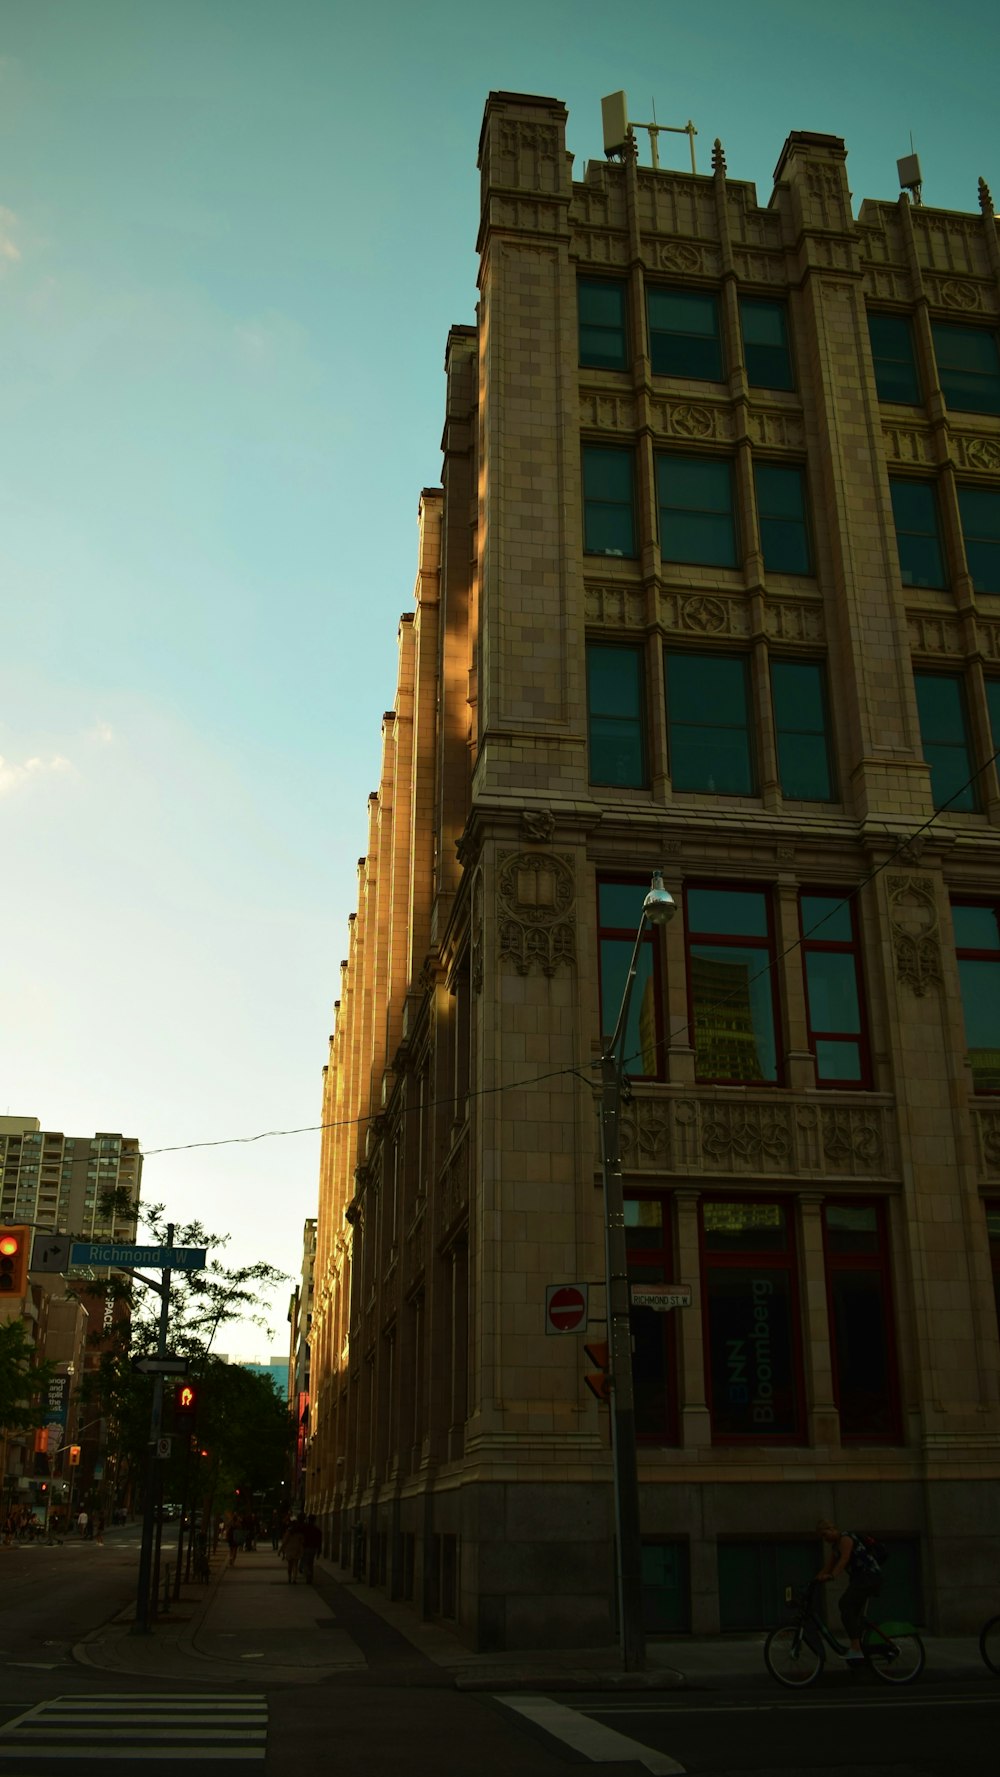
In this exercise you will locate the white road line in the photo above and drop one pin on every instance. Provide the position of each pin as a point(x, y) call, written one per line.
point(143, 1726)
point(601, 1745)
point(763, 1708)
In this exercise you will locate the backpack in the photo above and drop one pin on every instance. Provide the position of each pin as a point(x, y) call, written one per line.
point(870, 1553)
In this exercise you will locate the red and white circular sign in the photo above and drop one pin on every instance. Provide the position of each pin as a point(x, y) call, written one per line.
point(565, 1307)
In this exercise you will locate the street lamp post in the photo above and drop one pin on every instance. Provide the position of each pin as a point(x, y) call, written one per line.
point(657, 908)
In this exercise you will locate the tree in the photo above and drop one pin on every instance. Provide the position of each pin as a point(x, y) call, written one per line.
point(22, 1382)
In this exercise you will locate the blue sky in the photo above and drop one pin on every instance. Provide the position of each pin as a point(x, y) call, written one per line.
point(233, 236)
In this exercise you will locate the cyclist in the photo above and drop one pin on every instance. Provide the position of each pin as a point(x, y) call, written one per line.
point(848, 1554)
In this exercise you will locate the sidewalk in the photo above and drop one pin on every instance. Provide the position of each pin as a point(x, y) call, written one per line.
point(249, 1626)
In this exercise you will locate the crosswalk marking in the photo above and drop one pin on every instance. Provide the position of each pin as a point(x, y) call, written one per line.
point(146, 1726)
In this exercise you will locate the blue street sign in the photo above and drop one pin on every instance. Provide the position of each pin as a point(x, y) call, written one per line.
point(158, 1258)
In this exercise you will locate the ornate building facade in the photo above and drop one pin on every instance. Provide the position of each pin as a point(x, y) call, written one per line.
point(711, 585)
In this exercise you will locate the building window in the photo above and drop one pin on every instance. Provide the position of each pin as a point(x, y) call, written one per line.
point(603, 330)
point(993, 705)
point(862, 1342)
point(798, 696)
point(914, 511)
point(993, 1234)
point(731, 984)
point(615, 716)
point(696, 511)
point(968, 367)
point(619, 911)
point(654, 1362)
point(945, 737)
point(977, 946)
point(832, 964)
point(753, 1359)
point(765, 344)
point(781, 515)
point(608, 504)
point(892, 354)
point(684, 334)
point(708, 730)
point(980, 510)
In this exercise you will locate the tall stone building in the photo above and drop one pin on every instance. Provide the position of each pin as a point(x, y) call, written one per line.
point(711, 584)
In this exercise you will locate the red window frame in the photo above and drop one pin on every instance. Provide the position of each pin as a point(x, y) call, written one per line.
point(839, 947)
point(735, 941)
point(877, 1262)
point(973, 954)
point(627, 935)
point(785, 1259)
point(661, 1259)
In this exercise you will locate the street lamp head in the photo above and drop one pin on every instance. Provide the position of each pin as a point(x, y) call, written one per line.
point(659, 906)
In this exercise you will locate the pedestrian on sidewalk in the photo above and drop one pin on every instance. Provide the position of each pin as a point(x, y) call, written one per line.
point(234, 1538)
point(82, 1522)
point(293, 1547)
point(312, 1538)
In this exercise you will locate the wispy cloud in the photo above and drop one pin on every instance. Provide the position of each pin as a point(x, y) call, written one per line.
point(10, 252)
point(102, 732)
point(15, 777)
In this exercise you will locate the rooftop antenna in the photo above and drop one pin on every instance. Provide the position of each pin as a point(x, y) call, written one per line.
point(618, 130)
point(910, 177)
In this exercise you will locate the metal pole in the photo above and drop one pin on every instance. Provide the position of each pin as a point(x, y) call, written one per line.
point(142, 1611)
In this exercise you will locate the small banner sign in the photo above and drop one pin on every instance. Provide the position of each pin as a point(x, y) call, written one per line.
point(661, 1296)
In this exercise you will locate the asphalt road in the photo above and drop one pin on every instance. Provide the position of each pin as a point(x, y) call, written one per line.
point(385, 1727)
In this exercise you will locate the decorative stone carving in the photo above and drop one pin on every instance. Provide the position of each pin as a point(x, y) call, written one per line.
point(979, 453)
point(644, 1134)
point(688, 419)
point(535, 894)
point(907, 444)
point(719, 158)
point(529, 154)
point(537, 825)
point(703, 613)
point(610, 413)
point(773, 426)
point(476, 935)
point(794, 620)
point(617, 607)
point(851, 1138)
point(694, 1135)
point(751, 1136)
point(681, 256)
point(985, 199)
point(596, 247)
point(989, 638)
point(987, 1125)
point(959, 293)
point(824, 183)
point(916, 936)
point(692, 422)
point(930, 634)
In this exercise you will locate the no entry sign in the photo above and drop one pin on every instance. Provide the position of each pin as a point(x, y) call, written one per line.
point(565, 1307)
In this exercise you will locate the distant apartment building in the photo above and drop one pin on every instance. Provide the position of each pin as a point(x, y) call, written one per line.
point(711, 585)
point(300, 1311)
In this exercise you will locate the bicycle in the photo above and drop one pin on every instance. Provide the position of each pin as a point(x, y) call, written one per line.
point(795, 1653)
point(989, 1644)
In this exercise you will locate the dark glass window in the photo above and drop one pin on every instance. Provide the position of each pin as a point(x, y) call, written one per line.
point(977, 945)
point(914, 509)
point(993, 1235)
point(654, 1361)
point(765, 344)
point(608, 504)
point(980, 510)
point(684, 333)
point(615, 715)
point(619, 911)
point(892, 353)
point(993, 704)
point(752, 1322)
point(945, 737)
point(731, 983)
point(603, 331)
point(968, 366)
point(798, 695)
point(862, 1344)
point(781, 514)
point(708, 731)
point(832, 964)
point(696, 511)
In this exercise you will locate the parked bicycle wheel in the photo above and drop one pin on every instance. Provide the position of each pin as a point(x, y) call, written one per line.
point(790, 1659)
point(895, 1659)
point(989, 1644)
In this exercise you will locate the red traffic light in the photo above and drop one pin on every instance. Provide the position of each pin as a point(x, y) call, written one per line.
point(599, 1380)
point(185, 1404)
point(15, 1245)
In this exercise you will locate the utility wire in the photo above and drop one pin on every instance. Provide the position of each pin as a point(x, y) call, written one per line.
point(228, 1141)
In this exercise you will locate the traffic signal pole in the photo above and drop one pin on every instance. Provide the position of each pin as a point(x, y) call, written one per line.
point(141, 1625)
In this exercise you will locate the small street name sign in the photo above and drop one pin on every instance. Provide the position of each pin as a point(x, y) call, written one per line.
point(661, 1296)
point(168, 1365)
point(158, 1258)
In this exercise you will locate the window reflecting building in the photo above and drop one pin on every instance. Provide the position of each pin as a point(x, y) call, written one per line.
point(711, 584)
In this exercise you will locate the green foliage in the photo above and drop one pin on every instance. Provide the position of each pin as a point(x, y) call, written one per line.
point(23, 1385)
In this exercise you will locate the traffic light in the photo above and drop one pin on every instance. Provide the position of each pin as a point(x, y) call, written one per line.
point(15, 1247)
point(74, 1456)
point(599, 1380)
point(185, 1405)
